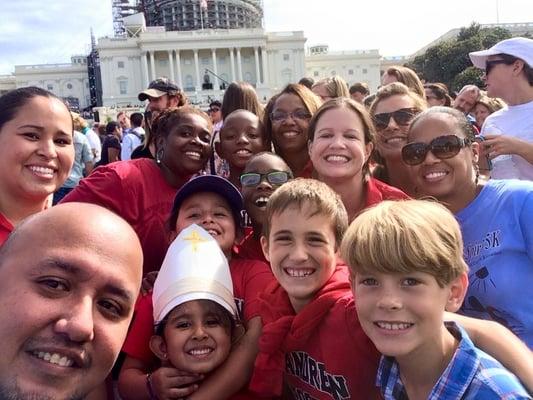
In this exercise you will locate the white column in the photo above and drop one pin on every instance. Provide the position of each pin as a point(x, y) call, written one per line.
point(152, 64)
point(257, 71)
point(172, 75)
point(178, 69)
point(239, 63)
point(264, 57)
point(197, 68)
point(232, 61)
point(216, 85)
point(145, 69)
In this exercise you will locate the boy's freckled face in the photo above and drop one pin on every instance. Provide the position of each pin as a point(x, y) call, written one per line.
point(197, 340)
point(213, 213)
point(402, 313)
point(301, 251)
point(240, 138)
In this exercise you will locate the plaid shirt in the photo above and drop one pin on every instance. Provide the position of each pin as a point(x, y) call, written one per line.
point(471, 374)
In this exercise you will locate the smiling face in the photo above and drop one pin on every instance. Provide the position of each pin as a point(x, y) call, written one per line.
point(240, 138)
point(301, 254)
point(290, 134)
point(196, 337)
point(403, 313)
point(186, 148)
point(66, 305)
point(36, 150)
point(338, 150)
point(213, 213)
point(449, 180)
point(256, 197)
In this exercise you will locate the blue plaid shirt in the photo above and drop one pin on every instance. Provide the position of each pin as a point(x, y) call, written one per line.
point(471, 374)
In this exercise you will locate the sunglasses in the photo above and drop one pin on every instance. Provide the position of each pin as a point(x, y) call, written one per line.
point(492, 63)
point(403, 116)
point(278, 116)
point(274, 178)
point(442, 147)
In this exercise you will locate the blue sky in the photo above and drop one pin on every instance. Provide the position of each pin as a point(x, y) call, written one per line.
point(50, 31)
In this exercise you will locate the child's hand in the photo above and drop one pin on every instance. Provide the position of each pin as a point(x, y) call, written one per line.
point(170, 383)
point(148, 282)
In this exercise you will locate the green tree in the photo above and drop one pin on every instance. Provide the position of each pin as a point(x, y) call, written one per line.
point(448, 61)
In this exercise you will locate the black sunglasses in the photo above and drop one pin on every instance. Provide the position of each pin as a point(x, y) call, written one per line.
point(492, 63)
point(403, 116)
point(274, 178)
point(442, 147)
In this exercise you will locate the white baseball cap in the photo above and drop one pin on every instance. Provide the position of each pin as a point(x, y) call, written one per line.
point(194, 268)
point(518, 47)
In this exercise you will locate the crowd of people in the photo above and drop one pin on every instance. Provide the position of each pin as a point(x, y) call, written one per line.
point(332, 243)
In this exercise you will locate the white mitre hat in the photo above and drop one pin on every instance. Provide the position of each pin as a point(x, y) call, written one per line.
point(194, 268)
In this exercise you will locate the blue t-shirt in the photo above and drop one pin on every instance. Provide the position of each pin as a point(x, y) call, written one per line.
point(497, 232)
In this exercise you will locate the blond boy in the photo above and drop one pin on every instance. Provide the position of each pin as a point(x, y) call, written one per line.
point(407, 269)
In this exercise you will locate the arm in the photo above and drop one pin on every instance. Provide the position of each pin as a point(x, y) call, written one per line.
point(166, 383)
point(498, 341)
point(496, 145)
point(235, 373)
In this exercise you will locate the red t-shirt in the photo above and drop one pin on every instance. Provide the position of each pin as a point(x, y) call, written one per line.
point(137, 191)
point(250, 248)
point(319, 353)
point(5, 228)
point(249, 279)
point(377, 191)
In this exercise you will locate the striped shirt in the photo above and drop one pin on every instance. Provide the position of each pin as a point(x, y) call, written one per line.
point(471, 374)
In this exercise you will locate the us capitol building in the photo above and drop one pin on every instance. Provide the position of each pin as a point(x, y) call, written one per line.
point(200, 44)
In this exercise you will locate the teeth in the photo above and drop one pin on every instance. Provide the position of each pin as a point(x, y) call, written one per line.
point(337, 158)
point(200, 352)
point(42, 170)
point(435, 175)
point(395, 140)
point(261, 201)
point(54, 358)
point(244, 152)
point(290, 134)
point(393, 326)
point(212, 232)
point(299, 272)
point(193, 154)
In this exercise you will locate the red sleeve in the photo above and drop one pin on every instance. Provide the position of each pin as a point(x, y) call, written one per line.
point(5, 228)
point(137, 344)
point(257, 276)
point(105, 186)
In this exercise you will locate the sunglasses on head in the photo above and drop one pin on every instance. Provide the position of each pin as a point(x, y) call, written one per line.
point(489, 64)
point(274, 178)
point(442, 147)
point(403, 116)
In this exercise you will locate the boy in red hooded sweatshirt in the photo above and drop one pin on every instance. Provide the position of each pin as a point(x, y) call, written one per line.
point(312, 345)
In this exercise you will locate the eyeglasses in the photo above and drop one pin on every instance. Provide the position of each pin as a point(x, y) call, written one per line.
point(274, 178)
point(442, 147)
point(489, 64)
point(403, 116)
point(278, 116)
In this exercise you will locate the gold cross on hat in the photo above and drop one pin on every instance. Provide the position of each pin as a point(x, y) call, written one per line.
point(194, 238)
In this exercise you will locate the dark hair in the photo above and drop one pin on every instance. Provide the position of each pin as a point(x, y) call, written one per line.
point(14, 100)
point(136, 119)
point(240, 95)
point(440, 91)
point(353, 106)
point(165, 120)
point(528, 70)
point(408, 77)
point(225, 317)
point(216, 103)
point(269, 154)
point(360, 87)
point(459, 118)
point(307, 82)
point(110, 127)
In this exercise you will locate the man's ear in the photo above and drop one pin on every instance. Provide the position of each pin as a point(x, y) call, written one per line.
point(475, 152)
point(457, 294)
point(264, 246)
point(159, 347)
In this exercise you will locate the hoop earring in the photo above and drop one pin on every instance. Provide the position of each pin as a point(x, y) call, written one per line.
point(159, 156)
